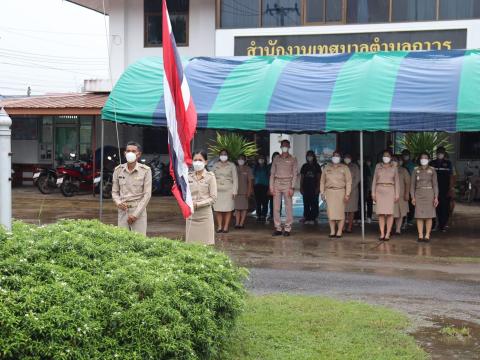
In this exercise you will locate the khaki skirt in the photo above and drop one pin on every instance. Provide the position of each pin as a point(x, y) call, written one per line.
point(424, 208)
point(200, 228)
point(385, 200)
point(241, 202)
point(224, 202)
point(335, 204)
point(352, 204)
point(401, 208)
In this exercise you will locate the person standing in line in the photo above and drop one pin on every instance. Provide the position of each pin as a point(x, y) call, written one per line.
point(270, 196)
point(446, 187)
point(401, 206)
point(352, 206)
point(245, 189)
point(261, 176)
point(310, 187)
point(385, 193)
point(283, 177)
point(227, 187)
point(424, 194)
point(132, 190)
point(367, 188)
point(200, 227)
point(335, 189)
point(409, 164)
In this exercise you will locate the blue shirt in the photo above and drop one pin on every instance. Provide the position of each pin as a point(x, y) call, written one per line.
point(261, 175)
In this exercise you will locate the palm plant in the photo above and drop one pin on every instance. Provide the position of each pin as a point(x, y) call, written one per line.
point(427, 142)
point(234, 143)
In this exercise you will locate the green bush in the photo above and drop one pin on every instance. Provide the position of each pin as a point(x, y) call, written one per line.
point(84, 290)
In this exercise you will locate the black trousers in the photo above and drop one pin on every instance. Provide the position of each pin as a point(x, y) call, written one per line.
point(443, 211)
point(261, 198)
point(369, 203)
point(310, 206)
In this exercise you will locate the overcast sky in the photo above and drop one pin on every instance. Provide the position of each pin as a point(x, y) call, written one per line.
point(49, 45)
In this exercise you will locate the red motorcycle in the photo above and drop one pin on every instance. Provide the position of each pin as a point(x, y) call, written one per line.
point(75, 177)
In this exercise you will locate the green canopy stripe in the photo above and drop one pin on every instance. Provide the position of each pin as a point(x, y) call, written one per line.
point(231, 104)
point(363, 92)
point(468, 116)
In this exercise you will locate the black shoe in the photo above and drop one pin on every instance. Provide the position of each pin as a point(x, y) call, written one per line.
point(277, 233)
point(286, 233)
point(386, 239)
point(225, 231)
point(338, 236)
point(427, 240)
point(381, 238)
point(219, 231)
point(238, 227)
point(420, 240)
point(332, 236)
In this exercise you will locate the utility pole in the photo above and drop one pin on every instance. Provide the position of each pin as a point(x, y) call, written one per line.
point(29, 91)
point(281, 11)
point(5, 171)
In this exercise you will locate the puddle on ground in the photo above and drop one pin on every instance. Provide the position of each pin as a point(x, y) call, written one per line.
point(456, 345)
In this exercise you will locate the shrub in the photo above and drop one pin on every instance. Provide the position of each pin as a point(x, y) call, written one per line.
point(84, 290)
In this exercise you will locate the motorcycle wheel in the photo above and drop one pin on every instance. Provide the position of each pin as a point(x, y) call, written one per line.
point(107, 189)
point(43, 185)
point(68, 188)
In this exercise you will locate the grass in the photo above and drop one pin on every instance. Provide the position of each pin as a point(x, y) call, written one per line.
point(281, 327)
point(460, 333)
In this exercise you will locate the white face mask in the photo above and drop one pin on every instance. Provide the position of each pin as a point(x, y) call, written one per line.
point(424, 162)
point(406, 157)
point(387, 159)
point(223, 158)
point(285, 149)
point(241, 162)
point(131, 157)
point(261, 161)
point(309, 158)
point(198, 165)
point(336, 159)
point(347, 161)
point(441, 156)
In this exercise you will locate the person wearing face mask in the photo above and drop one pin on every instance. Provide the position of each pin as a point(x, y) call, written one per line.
point(132, 190)
point(283, 177)
point(409, 164)
point(352, 206)
point(310, 187)
point(367, 188)
point(385, 193)
point(227, 187)
point(245, 189)
point(401, 206)
point(260, 174)
point(424, 195)
point(199, 226)
point(446, 187)
point(270, 195)
point(335, 189)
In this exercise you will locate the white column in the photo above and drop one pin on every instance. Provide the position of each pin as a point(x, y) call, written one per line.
point(5, 171)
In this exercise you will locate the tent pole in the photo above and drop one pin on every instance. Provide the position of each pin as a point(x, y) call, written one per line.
point(362, 192)
point(101, 170)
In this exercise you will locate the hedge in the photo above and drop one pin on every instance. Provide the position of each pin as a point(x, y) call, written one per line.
point(84, 290)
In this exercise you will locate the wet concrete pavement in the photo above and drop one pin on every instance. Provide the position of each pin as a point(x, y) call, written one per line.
point(424, 280)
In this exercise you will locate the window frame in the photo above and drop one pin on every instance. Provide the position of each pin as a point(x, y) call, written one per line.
point(324, 22)
point(145, 28)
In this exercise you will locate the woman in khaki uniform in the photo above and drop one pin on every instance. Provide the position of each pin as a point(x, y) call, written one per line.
point(385, 192)
point(424, 193)
point(227, 185)
point(401, 206)
point(203, 186)
point(352, 206)
point(245, 189)
point(335, 189)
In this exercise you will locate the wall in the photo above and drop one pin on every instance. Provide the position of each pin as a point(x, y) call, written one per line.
point(127, 33)
point(25, 152)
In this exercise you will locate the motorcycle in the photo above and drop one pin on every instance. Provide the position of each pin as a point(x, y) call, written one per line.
point(109, 164)
point(45, 180)
point(162, 182)
point(76, 177)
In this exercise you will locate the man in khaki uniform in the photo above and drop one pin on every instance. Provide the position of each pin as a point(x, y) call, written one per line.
point(283, 176)
point(131, 190)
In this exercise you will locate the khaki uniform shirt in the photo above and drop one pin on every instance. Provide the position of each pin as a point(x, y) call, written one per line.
point(245, 176)
point(204, 190)
point(284, 168)
point(404, 177)
point(336, 177)
point(424, 178)
point(355, 172)
point(132, 188)
point(386, 175)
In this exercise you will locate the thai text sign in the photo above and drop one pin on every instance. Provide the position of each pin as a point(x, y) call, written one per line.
point(348, 43)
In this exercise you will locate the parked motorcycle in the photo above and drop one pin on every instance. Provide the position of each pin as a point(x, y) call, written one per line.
point(110, 161)
point(75, 177)
point(45, 180)
point(161, 180)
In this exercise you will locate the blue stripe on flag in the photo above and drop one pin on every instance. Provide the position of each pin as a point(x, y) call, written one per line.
point(426, 91)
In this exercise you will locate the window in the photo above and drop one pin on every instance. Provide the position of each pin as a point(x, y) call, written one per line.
point(322, 11)
point(470, 146)
point(178, 10)
point(458, 9)
point(46, 139)
point(281, 13)
point(368, 11)
point(414, 10)
point(240, 13)
point(25, 128)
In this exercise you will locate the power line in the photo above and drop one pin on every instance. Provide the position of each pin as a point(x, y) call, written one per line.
point(49, 32)
point(75, 65)
point(54, 56)
point(60, 62)
point(44, 67)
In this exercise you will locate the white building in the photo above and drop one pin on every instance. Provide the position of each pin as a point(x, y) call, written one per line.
point(275, 27)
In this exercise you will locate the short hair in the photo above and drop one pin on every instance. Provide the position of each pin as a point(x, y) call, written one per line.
point(405, 151)
point(276, 153)
point(242, 156)
point(424, 153)
point(388, 151)
point(285, 141)
point(441, 149)
point(134, 143)
point(223, 150)
point(201, 152)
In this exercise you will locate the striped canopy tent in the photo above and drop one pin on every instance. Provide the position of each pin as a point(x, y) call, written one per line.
point(385, 91)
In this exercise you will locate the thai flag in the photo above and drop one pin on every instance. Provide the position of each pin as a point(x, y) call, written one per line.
point(181, 116)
